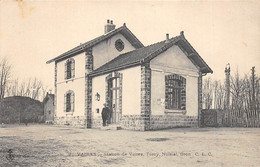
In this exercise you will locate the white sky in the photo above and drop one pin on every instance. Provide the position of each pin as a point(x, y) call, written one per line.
point(222, 32)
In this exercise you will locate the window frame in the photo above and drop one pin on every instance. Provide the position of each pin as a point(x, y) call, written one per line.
point(69, 105)
point(119, 45)
point(175, 86)
point(69, 69)
point(174, 94)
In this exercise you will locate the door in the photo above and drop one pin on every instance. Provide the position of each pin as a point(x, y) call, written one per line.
point(114, 100)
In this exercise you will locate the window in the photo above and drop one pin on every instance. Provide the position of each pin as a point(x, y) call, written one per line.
point(175, 92)
point(69, 101)
point(70, 69)
point(119, 44)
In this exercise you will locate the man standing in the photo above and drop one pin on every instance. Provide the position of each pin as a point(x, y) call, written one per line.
point(105, 114)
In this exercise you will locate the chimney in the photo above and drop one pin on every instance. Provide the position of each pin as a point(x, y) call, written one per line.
point(182, 33)
point(167, 38)
point(109, 26)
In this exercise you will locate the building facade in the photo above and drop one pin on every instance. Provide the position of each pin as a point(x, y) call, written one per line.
point(147, 88)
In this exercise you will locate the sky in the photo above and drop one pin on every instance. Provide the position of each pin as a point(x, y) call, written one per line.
point(33, 32)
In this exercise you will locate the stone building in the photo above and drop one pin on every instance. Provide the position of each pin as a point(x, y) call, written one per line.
point(147, 87)
point(48, 108)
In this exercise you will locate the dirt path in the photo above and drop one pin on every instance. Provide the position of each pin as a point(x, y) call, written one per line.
point(42, 145)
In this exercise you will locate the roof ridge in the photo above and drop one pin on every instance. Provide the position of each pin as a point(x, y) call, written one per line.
point(97, 38)
point(171, 40)
point(122, 29)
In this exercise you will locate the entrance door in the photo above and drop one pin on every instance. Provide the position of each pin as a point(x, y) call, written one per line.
point(114, 99)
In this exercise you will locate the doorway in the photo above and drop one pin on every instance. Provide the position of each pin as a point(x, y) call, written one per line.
point(114, 99)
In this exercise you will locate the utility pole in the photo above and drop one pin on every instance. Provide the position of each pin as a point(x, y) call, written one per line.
point(227, 84)
point(227, 94)
point(253, 106)
point(253, 88)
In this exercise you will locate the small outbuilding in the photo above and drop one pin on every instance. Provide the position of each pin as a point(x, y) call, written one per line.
point(48, 105)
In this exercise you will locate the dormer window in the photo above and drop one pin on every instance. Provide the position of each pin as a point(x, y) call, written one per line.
point(70, 69)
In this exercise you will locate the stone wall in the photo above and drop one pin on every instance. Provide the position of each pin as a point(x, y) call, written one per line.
point(48, 108)
point(136, 122)
point(132, 122)
point(199, 97)
point(145, 95)
point(172, 121)
point(72, 121)
point(128, 122)
point(97, 122)
point(88, 87)
point(55, 89)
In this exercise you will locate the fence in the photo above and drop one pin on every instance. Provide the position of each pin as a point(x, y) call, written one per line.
point(229, 118)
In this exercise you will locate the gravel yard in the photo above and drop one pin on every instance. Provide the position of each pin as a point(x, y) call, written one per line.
point(44, 145)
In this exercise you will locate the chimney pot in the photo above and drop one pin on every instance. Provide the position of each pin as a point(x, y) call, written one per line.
point(107, 20)
point(182, 33)
point(111, 21)
point(167, 38)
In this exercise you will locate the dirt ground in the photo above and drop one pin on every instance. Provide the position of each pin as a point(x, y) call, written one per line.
point(45, 145)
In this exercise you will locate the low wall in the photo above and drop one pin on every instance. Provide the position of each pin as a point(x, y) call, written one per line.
point(73, 121)
point(172, 121)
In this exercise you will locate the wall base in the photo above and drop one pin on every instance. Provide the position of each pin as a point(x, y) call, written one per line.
point(72, 121)
point(97, 123)
point(172, 121)
point(133, 122)
point(129, 122)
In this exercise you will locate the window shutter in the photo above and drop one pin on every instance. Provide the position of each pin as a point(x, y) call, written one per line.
point(72, 101)
point(65, 73)
point(73, 68)
point(65, 99)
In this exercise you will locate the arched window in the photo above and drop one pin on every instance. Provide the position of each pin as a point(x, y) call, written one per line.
point(69, 68)
point(175, 92)
point(69, 99)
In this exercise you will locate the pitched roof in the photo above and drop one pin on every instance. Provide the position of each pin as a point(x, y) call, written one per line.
point(82, 47)
point(48, 96)
point(145, 54)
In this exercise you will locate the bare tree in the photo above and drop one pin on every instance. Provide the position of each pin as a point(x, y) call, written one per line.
point(12, 88)
point(251, 97)
point(207, 93)
point(5, 74)
point(238, 91)
point(32, 88)
point(43, 92)
point(219, 94)
point(245, 99)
